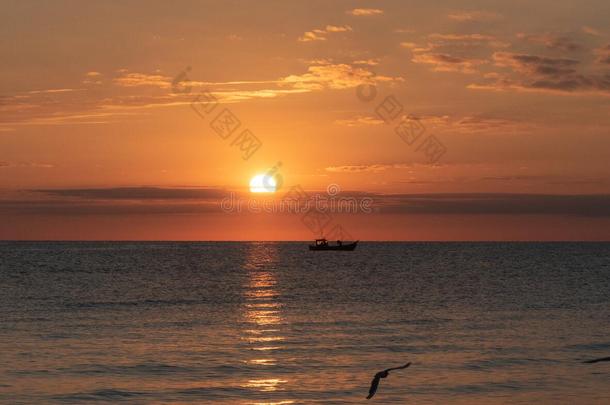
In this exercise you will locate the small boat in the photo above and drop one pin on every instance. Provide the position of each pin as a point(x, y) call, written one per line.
point(322, 244)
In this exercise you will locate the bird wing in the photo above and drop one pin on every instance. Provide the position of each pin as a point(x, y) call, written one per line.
point(399, 368)
point(597, 360)
point(374, 385)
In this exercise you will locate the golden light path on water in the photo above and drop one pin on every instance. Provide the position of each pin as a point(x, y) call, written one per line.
point(262, 314)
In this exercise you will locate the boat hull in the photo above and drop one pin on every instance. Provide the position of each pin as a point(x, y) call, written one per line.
point(348, 247)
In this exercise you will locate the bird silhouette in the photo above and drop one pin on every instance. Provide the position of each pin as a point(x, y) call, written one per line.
point(597, 360)
point(379, 376)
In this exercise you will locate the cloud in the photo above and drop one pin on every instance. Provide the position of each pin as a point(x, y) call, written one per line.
point(30, 165)
point(136, 193)
point(92, 78)
point(549, 179)
point(197, 200)
point(322, 34)
point(603, 55)
point(365, 12)
point(333, 76)
point(359, 121)
point(52, 91)
point(443, 62)
point(583, 205)
point(535, 65)
point(465, 16)
point(335, 28)
point(234, 96)
point(552, 41)
point(133, 93)
point(513, 178)
point(467, 124)
point(367, 62)
point(142, 79)
point(409, 45)
point(115, 201)
point(451, 43)
point(315, 35)
point(542, 73)
point(592, 31)
point(439, 40)
point(454, 52)
point(379, 167)
point(93, 207)
point(470, 124)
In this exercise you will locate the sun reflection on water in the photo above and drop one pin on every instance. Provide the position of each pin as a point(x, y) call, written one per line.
point(262, 362)
point(266, 385)
point(262, 311)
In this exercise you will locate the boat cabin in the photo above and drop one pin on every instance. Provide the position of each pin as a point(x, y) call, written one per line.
point(321, 242)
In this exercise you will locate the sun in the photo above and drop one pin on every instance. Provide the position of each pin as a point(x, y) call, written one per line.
point(262, 183)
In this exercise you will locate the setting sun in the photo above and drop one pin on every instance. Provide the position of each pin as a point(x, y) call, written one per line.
point(305, 201)
point(262, 183)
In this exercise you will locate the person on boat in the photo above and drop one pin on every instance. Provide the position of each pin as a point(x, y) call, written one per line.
point(339, 243)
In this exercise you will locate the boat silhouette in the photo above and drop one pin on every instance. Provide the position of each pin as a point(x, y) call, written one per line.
point(322, 244)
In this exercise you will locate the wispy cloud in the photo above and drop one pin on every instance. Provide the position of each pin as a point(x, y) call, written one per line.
point(132, 93)
point(534, 64)
point(27, 165)
point(543, 73)
point(360, 121)
point(142, 79)
point(603, 54)
point(438, 40)
point(552, 41)
point(377, 167)
point(364, 12)
point(592, 31)
point(582, 205)
point(442, 62)
point(137, 193)
point(321, 34)
point(476, 15)
point(334, 76)
point(471, 124)
point(367, 62)
point(474, 124)
point(454, 52)
point(92, 78)
point(53, 91)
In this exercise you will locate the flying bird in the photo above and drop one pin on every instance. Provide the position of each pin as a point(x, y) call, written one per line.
point(597, 360)
point(379, 376)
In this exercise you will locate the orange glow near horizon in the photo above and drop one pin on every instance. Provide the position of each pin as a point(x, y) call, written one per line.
point(505, 100)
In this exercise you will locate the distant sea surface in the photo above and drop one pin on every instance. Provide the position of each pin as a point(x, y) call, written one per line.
point(273, 323)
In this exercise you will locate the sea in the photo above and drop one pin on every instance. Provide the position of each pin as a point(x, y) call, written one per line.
point(274, 323)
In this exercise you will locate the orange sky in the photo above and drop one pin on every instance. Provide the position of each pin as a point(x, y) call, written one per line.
point(99, 138)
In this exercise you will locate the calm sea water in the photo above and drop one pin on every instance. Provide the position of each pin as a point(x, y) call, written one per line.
point(272, 323)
